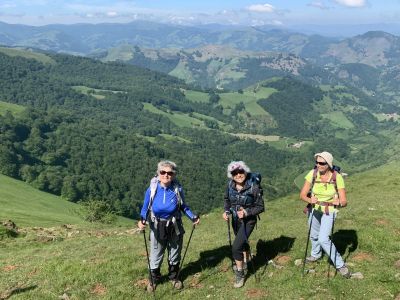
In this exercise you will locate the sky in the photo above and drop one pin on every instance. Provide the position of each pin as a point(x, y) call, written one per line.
point(194, 12)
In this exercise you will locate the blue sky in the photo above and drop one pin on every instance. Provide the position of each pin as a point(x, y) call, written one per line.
point(244, 12)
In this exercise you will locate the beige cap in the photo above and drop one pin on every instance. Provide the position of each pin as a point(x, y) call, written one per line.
point(327, 156)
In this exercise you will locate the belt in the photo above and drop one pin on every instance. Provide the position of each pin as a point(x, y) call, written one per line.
point(326, 205)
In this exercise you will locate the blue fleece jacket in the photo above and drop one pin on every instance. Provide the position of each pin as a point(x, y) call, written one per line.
point(165, 203)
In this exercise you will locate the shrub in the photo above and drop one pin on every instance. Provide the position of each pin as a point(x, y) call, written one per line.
point(98, 211)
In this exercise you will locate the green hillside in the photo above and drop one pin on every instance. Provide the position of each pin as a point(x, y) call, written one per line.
point(43, 58)
point(110, 263)
point(27, 206)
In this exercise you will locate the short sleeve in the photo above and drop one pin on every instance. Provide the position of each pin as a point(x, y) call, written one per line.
point(339, 181)
point(309, 176)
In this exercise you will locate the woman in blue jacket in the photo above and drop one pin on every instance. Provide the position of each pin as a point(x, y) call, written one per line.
point(163, 203)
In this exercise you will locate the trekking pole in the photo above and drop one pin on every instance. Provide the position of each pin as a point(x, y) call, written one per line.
point(184, 254)
point(330, 250)
point(308, 239)
point(230, 241)
point(148, 264)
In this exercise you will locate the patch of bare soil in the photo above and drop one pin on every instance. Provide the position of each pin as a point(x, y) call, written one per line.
point(195, 282)
point(9, 268)
point(98, 289)
point(362, 256)
point(142, 283)
point(283, 259)
point(256, 293)
point(382, 222)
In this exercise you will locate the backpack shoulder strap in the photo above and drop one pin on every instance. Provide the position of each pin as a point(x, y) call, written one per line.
point(314, 177)
point(333, 179)
point(153, 190)
point(177, 190)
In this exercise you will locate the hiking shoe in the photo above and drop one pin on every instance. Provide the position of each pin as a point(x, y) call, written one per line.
point(312, 259)
point(176, 283)
point(239, 279)
point(345, 272)
point(150, 287)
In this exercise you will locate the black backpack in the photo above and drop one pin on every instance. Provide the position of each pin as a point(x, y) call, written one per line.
point(255, 179)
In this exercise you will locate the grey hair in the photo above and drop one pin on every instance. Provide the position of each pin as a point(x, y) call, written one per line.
point(166, 163)
point(235, 165)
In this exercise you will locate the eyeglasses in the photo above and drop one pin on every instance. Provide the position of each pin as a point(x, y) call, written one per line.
point(169, 173)
point(321, 163)
point(239, 171)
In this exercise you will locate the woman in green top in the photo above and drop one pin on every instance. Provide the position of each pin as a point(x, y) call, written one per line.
point(327, 193)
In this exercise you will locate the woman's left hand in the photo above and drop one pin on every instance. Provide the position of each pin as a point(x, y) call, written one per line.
point(241, 213)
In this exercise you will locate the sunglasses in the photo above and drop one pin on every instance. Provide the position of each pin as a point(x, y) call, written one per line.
point(321, 163)
point(169, 173)
point(235, 172)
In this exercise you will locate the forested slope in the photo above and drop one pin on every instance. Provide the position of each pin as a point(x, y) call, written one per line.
point(82, 147)
point(86, 135)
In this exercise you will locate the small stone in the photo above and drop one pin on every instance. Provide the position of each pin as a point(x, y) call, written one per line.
point(298, 262)
point(64, 297)
point(357, 275)
point(371, 208)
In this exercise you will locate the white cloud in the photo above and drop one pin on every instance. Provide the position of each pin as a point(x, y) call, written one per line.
point(112, 14)
point(318, 4)
point(261, 8)
point(352, 3)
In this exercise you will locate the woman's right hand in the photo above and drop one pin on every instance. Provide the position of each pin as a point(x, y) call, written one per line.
point(313, 199)
point(141, 225)
point(225, 216)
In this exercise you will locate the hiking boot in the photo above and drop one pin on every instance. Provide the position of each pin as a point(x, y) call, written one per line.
point(150, 287)
point(345, 272)
point(244, 267)
point(312, 259)
point(176, 283)
point(239, 279)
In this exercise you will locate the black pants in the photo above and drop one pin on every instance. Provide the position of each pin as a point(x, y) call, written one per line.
point(242, 230)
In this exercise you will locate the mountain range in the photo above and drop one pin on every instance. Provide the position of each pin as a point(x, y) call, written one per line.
point(218, 56)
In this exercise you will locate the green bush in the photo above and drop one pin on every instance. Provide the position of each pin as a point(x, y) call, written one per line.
point(98, 211)
point(7, 233)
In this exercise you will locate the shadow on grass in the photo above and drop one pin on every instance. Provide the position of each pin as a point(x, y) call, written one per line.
point(208, 259)
point(344, 240)
point(17, 290)
point(268, 250)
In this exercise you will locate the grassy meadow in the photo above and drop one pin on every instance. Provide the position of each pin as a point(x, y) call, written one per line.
point(86, 261)
point(11, 107)
point(43, 58)
point(179, 119)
